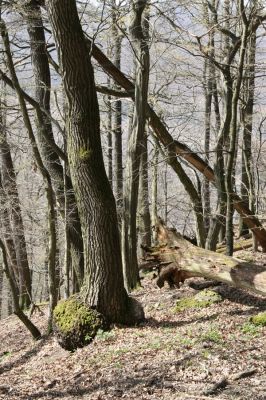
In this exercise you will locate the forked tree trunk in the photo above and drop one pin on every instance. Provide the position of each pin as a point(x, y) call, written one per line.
point(174, 249)
point(103, 284)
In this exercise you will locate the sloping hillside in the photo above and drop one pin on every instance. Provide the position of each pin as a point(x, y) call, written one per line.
point(204, 353)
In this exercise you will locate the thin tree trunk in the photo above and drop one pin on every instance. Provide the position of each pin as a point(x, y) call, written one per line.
point(144, 216)
point(129, 232)
point(47, 179)
point(36, 334)
point(9, 186)
point(247, 186)
point(232, 148)
point(110, 138)
point(154, 188)
point(117, 119)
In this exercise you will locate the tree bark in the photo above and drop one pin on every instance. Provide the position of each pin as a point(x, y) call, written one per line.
point(103, 285)
point(247, 184)
point(50, 158)
point(154, 188)
point(174, 249)
point(53, 292)
point(117, 119)
point(129, 230)
point(144, 217)
point(13, 211)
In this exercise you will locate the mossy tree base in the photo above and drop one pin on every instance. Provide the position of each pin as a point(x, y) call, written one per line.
point(76, 324)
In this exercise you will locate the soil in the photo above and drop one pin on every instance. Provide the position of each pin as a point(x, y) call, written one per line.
point(207, 353)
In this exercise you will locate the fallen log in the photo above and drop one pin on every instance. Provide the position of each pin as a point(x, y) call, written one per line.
point(238, 245)
point(174, 249)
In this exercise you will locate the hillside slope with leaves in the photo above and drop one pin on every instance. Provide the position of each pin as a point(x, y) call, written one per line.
point(199, 353)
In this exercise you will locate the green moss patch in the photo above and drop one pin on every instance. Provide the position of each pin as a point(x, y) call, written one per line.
point(84, 154)
point(259, 319)
point(75, 324)
point(202, 299)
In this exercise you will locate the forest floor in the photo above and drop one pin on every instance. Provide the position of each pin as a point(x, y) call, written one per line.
point(173, 355)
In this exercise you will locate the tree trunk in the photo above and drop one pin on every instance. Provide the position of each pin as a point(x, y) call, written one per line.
point(103, 284)
point(144, 217)
point(117, 119)
point(175, 250)
point(109, 138)
point(247, 184)
point(232, 147)
point(9, 187)
point(129, 230)
point(42, 169)
point(50, 158)
point(36, 334)
point(154, 188)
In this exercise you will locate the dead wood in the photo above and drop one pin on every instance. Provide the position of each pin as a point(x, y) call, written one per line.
point(183, 255)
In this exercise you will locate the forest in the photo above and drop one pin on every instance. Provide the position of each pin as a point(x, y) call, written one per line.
point(132, 199)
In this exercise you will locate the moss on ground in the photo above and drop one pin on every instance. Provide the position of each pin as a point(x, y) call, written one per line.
point(75, 323)
point(202, 299)
point(259, 319)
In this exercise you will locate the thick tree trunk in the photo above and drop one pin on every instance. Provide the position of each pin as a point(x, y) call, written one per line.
point(103, 285)
point(180, 149)
point(50, 158)
point(177, 251)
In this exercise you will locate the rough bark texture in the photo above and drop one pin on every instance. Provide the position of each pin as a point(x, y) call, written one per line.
point(103, 287)
point(175, 250)
point(129, 228)
point(51, 159)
